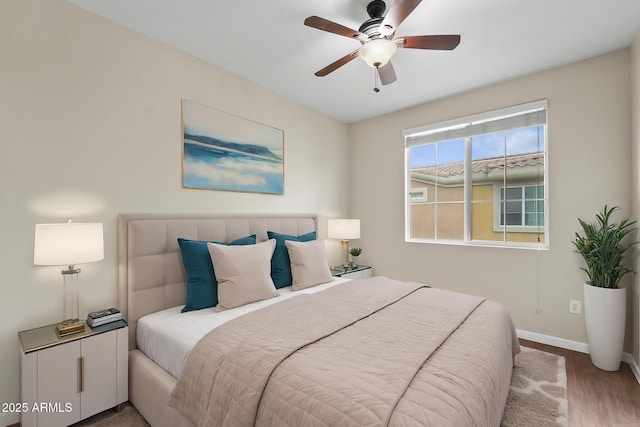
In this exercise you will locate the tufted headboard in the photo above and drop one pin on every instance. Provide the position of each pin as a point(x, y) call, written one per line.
point(150, 272)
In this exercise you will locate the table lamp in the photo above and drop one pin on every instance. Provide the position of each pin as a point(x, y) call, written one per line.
point(344, 229)
point(69, 244)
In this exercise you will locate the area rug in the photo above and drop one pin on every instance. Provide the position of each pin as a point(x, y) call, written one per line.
point(538, 396)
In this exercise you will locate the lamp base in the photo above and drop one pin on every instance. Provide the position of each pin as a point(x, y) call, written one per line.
point(69, 326)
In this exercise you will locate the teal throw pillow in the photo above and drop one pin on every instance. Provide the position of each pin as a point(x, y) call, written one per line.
point(280, 262)
point(202, 286)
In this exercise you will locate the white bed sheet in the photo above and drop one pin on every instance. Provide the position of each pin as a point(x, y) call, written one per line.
point(168, 336)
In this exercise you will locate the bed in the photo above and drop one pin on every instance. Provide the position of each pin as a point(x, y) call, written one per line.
point(362, 352)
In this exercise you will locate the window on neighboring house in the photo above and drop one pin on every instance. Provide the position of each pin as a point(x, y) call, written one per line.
point(479, 179)
point(418, 195)
point(522, 206)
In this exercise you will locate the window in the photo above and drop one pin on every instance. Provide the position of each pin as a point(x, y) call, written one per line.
point(479, 179)
point(417, 195)
point(522, 206)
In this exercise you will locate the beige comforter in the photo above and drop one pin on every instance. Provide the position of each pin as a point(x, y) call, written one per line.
point(370, 352)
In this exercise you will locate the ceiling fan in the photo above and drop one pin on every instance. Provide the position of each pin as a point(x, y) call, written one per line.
point(377, 36)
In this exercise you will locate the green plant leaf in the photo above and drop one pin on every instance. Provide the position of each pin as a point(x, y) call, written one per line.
point(602, 248)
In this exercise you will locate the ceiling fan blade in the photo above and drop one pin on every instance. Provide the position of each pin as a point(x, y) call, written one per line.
point(337, 64)
point(387, 74)
point(396, 14)
point(332, 27)
point(441, 42)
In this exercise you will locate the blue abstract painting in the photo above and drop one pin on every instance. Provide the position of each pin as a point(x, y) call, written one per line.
point(221, 151)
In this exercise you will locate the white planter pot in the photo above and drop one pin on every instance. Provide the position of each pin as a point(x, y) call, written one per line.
point(605, 314)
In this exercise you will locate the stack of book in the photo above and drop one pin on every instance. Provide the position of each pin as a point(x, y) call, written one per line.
point(99, 318)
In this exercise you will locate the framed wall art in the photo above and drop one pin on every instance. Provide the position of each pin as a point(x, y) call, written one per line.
point(221, 151)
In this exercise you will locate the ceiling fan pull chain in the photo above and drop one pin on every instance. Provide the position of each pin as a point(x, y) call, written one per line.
point(376, 89)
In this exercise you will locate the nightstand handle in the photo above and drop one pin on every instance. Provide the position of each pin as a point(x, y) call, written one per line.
point(80, 374)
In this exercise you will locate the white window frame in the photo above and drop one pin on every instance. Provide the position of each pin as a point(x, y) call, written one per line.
point(515, 117)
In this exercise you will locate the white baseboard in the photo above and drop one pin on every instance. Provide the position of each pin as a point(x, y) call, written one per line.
point(578, 346)
point(627, 357)
point(9, 419)
point(581, 347)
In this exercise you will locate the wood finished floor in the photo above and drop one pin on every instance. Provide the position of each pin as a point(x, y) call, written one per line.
point(597, 398)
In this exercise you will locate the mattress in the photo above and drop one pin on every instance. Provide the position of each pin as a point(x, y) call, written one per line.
point(167, 336)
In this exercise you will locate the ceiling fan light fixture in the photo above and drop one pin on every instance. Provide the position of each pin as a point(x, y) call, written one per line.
point(378, 52)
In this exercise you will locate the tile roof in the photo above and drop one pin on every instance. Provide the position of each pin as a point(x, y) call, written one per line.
point(484, 165)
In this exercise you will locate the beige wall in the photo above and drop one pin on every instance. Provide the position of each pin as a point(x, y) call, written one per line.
point(589, 136)
point(90, 128)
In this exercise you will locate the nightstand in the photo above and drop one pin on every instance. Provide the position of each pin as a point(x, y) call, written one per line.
point(359, 272)
point(66, 379)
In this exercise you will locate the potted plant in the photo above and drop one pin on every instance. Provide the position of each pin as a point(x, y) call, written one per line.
point(603, 247)
point(355, 253)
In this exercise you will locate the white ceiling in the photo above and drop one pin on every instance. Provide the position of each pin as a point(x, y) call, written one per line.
point(265, 42)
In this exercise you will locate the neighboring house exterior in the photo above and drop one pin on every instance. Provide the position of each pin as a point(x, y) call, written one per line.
point(437, 195)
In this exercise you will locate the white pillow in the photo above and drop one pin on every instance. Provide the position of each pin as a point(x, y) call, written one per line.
point(243, 273)
point(309, 266)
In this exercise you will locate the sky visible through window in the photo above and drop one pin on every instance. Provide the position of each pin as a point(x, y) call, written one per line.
point(519, 141)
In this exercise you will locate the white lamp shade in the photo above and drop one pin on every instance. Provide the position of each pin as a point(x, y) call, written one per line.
point(344, 229)
point(68, 244)
point(377, 52)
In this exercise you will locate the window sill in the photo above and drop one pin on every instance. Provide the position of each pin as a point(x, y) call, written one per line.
point(483, 244)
